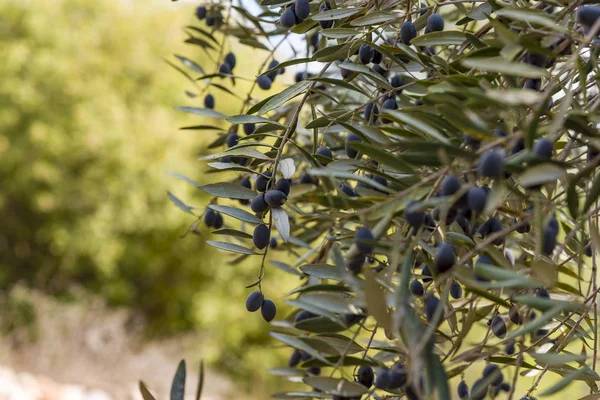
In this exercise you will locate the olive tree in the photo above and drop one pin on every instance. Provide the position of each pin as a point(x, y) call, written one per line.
point(430, 179)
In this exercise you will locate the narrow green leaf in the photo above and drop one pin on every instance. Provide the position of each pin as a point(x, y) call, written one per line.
point(536, 324)
point(363, 69)
point(417, 123)
point(322, 271)
point(203, 112)
point(178, 385)
point(440, 38)
point(228, 190)
point(232, 232)
point(592, 195)
point(337, 13)
point(236, 213)
point(339, 33)
point(501, 274)
point(146, 395)
point(533, 17)
point(502, 66)
point(563, 383)
point(541, 174)
point(238, 151)
point(336, 386)
point(285, 96)
point(180, 203)
point(234, 248)
point(298, 344)
point(374, 18)
point(250, 119)
point(284, 267)
point(282, 223)
point(200, 380)
point(557, 358)
point(190, 64)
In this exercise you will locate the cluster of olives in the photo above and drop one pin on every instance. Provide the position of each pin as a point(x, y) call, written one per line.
point(269, 196)
point(295, 13)
point(211, 15)
point(492, 378)
point(266, 80)
point(213, 219)
point(256, 301)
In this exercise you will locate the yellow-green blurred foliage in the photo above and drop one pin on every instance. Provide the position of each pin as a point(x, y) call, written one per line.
point(87, 136)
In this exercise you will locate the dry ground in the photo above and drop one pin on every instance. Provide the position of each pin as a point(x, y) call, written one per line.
point(84, 351)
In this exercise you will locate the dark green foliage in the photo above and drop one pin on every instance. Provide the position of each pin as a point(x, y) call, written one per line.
point(254, 301)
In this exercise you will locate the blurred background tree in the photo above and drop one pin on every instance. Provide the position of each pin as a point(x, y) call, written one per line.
point(87, 137)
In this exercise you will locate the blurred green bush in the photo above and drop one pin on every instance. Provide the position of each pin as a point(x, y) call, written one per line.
point(87, 139)
point(87, 136)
